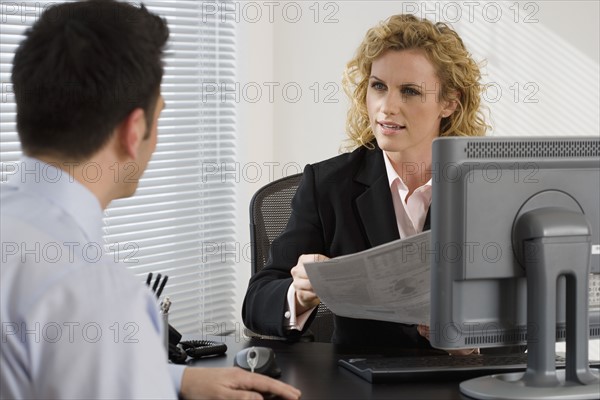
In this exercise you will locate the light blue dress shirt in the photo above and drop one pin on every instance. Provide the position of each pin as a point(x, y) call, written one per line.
point(74, 323)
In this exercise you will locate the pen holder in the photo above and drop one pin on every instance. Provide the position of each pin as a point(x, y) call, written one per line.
point(166, 332)
point(164, 310)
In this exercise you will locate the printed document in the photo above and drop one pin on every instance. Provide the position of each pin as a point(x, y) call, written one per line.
point(390, 282)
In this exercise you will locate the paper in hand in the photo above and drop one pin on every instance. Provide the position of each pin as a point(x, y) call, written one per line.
point(390, 282)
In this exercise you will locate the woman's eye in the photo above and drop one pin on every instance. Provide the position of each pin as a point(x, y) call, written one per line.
point(378, 86)
point(410, 92)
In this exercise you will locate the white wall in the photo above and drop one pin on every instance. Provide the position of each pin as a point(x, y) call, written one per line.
point(255, 127)
point(553, 59)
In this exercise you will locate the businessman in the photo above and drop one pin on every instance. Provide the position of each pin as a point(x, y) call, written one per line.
point(75, 324)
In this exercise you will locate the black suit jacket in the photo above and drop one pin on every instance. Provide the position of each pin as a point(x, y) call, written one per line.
point(343, 205)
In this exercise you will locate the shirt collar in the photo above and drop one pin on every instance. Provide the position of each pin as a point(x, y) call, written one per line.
point(63, 190)
point(392, 175)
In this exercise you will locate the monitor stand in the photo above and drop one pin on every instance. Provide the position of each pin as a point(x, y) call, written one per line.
point(555, 242)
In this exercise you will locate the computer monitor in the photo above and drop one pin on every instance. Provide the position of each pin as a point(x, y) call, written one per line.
point(515, 228)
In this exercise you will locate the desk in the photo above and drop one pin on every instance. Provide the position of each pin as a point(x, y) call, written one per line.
point(312, 368)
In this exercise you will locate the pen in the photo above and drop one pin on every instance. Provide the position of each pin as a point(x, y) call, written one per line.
point(156, 283)
point(162, 286)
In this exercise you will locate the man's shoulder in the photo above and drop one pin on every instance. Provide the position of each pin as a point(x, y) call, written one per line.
point(35, 219)
point(85, 289)
point(42, 261)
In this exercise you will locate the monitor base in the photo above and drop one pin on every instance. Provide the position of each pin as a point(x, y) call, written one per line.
point(512, 387)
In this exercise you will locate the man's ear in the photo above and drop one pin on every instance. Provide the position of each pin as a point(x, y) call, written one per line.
point(131, 132)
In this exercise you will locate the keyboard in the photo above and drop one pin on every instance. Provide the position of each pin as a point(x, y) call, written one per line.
point(377, 369)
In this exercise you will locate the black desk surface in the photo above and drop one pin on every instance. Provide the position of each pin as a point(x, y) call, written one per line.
point(312, 368)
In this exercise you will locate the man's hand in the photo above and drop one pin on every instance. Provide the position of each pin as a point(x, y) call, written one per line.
point(424, 331)
point(232, 383)
point(306, 297)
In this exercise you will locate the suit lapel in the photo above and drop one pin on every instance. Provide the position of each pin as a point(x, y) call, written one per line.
point(427, 224)
point(374, 205)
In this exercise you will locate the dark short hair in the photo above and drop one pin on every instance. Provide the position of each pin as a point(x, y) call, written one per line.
point(81, 69)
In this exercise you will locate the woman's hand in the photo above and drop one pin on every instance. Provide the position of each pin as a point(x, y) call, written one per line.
point(306, 298)
point(424, 331)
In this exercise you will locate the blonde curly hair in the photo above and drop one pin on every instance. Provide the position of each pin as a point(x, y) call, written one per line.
point(457, 71)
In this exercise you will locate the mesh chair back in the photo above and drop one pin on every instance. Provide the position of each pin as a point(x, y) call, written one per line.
point(270, 210)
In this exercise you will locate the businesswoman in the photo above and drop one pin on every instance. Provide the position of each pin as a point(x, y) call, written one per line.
point(410, 81)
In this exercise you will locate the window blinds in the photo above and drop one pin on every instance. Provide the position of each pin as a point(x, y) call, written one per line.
point(181, 221)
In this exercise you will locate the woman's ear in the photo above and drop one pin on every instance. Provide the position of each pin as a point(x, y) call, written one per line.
point(131, 132)
point(450, 105)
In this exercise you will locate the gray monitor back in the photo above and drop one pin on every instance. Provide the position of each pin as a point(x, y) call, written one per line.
point(479, 186)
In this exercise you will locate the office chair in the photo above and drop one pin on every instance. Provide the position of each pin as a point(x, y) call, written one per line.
point(270, 209)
